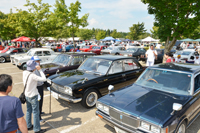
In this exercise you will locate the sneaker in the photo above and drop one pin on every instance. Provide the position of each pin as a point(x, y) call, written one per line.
point(42, 120)
point(30, 128)
point(41, 131)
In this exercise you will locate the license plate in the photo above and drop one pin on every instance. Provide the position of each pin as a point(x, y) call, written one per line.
point(119, 130)
point(55, 95)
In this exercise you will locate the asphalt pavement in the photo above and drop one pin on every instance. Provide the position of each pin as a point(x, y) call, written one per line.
point(66, 117)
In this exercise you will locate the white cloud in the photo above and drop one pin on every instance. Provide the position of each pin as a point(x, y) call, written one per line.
point(93, 22)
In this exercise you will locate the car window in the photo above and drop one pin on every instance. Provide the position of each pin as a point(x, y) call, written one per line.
point(46, 53)
point(197, 83)
point(129, 64)
point(20, 51)
point(116, 67)
point(38, 53)
point(76, 60)
point(87, 56)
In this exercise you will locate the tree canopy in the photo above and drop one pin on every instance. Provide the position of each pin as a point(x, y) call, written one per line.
point(174, 18)
point(136, 30)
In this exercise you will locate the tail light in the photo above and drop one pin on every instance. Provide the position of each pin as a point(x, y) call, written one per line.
point(130, 55)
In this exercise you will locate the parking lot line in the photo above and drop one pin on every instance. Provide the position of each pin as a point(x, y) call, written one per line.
point(52, 126)
point(7, 67)
point(15, 73)
point(77, 126)
point(18, 83)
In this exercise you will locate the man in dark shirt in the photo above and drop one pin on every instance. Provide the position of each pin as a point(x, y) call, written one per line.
point(11, 114)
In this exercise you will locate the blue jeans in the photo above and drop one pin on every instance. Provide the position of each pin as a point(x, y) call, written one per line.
point(32, 105)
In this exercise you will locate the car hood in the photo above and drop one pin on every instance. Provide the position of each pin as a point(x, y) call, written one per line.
point(71, 78)
point(4, 54)
point(144, 103)
point(50, 66)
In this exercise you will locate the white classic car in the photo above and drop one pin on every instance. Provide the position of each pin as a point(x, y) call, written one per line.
point(46, 55)
point(186, 55)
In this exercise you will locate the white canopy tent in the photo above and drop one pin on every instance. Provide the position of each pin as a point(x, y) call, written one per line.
point(149, 39)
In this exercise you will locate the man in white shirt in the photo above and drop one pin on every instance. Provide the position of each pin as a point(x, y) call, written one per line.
point(151, 55)
point(197, 60)
point(158, 46)
point(31, 94)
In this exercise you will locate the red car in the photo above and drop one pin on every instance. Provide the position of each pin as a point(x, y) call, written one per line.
point(1, 47)
point(97, 49)
point(6, 49)
point(87, 48)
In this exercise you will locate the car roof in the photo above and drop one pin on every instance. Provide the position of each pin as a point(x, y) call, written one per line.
point(178, 67)
point(112, 57)
point(78, 53)
point(189, 50)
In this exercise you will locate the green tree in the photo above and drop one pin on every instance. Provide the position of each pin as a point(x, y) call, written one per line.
point(101, 35)
point(60, 20)
point(136, 30)
point(8, 28)
point(35, 22)
point(173, 18)
point(75, 21)
point(195, 34)
point(85, 34)
point(154, 32)
point(115, 34)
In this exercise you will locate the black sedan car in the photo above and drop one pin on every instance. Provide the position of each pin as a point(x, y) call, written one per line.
point(159, 56)
point(64, 62)
point(6, 56)
point(91, 79)
point(164, 99)
point(134, 52)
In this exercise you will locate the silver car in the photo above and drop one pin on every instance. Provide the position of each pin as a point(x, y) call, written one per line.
point(113, 50)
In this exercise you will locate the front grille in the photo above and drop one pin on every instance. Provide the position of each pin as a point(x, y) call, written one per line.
point(124, 119)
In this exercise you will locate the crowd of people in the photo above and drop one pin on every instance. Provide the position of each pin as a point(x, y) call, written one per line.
point(11, 114)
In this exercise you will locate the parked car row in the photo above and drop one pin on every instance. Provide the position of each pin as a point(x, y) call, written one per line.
point(130, 98)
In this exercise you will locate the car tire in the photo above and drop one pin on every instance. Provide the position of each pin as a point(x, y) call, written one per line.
point(23, 66)
point(117, 54)
point(90, 98)
point(2, 59)
point(182, 128)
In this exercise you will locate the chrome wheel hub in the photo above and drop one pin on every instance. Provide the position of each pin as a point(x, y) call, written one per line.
point(91, 99)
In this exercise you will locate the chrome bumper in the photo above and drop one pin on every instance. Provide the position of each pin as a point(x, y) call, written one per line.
point(66, 98)
point(113, 124)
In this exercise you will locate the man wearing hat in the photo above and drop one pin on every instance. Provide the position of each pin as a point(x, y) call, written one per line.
point(178, 59)
point(39, 86)
point(31, 94)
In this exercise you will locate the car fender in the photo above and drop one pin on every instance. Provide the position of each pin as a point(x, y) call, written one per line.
point(92, 87)
point(183, 118)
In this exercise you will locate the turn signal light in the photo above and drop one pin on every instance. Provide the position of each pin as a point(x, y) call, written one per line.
point(166, 130)
point(100, 116)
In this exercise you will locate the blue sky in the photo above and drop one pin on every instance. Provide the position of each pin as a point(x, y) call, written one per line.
point(104, 14)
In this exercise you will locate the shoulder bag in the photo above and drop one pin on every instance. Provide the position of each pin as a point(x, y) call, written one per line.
point(22, 96)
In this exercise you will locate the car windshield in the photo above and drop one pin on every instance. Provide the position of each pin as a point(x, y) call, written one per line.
point(168, 81)
point(30, 53)
point(131, 50)
point(96, 47)
point(9, 51)
point(62, 59)
point(96, 66)
point(183, 53)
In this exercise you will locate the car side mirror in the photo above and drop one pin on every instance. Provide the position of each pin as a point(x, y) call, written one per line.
point(110, 87)
point(176, 107)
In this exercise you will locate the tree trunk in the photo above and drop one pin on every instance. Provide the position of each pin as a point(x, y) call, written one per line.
point(168, 46)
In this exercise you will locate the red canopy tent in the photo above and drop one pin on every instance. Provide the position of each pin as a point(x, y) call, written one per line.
point(23, 39)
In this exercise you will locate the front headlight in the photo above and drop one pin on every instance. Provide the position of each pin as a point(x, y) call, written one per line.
point(155, 129)
point(68, 90)
point(145, 125)
point(102, 107)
